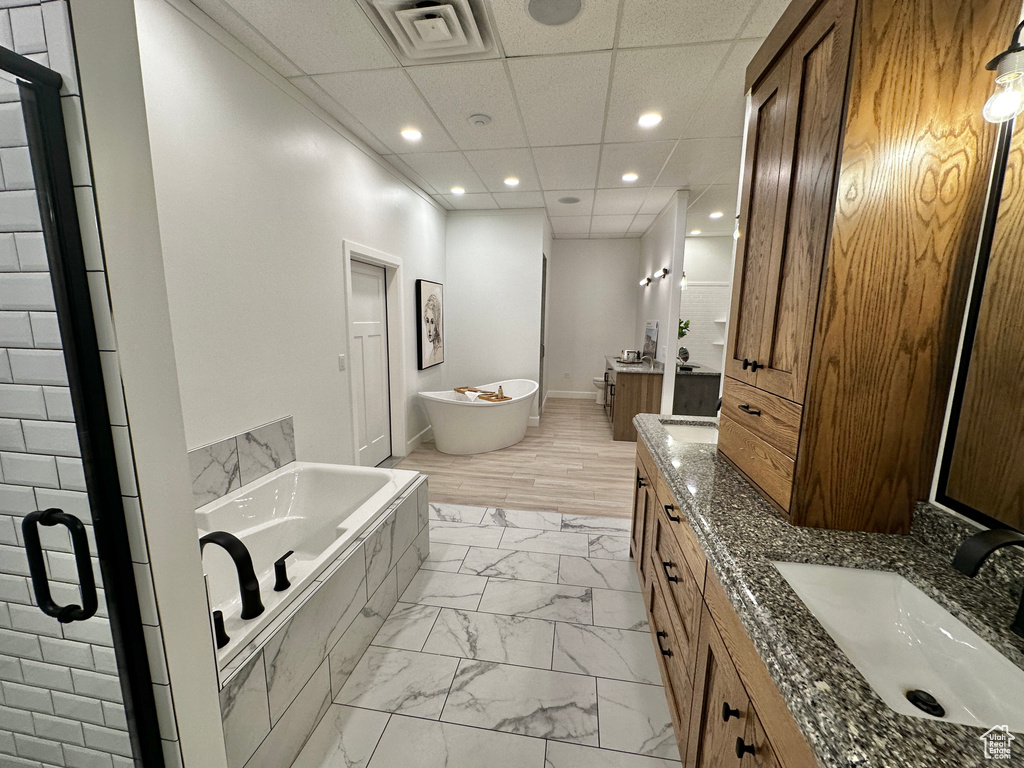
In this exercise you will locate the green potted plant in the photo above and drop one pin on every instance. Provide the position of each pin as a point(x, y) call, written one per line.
point(684, 353)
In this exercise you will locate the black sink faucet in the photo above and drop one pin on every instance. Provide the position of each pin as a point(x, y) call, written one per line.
point(249, 585)
point(975, 551)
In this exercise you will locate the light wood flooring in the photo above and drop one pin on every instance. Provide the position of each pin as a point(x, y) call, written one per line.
point(568, 464)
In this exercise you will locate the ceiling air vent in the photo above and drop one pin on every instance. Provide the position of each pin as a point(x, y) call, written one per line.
point(431, 30)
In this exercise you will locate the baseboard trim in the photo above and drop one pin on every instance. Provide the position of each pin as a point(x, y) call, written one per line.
point(417, 440)
point(556, 395)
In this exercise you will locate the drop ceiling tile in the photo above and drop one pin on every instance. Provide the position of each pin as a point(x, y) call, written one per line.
point(468, 202)
point(610, 224)
point(519, 199)
point(338, 112)
point(583, 207)
point(719, 197)
point(642, 158)
point(676, 22)
point(765, 17)
point(723, 106)
point(248, 35)
point(385, 102)
point(567, 167)
point(444, 170)
point(411, 174)
point(641, 223)
point(699, 162)
point(496, 165)
point(320, 36)
point(562, 98)
point(592, 30)
point(657, 199)
point(439, 199)
point(669, 81)
point(456, 91)
point(570, 225)
point(610, 202)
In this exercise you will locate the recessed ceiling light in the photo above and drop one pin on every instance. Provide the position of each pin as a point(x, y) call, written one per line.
point(630, 177)
point(649, 120)
point(458, 190)
point(692, 231)
point(716, 215)
point(511, 181)
point(568, 200)
point(411, 134)
point(554, 12)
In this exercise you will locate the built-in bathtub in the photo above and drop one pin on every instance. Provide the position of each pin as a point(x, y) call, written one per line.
point(314, 510)
point(462, 425)
point(359, 536)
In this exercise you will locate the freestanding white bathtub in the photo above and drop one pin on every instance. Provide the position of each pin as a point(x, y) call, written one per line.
point(315, 510)
point(463, 426)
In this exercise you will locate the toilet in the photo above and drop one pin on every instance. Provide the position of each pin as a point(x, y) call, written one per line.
point(599, 383)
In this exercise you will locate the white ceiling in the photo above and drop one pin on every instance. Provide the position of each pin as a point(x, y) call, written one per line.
point(563, 102)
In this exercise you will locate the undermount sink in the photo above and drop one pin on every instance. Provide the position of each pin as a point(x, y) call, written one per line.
point(689, 433)
point(901, 641)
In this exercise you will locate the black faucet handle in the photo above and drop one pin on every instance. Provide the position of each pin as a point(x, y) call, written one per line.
point(218, 629)
point(281, 582)
point(976, 549)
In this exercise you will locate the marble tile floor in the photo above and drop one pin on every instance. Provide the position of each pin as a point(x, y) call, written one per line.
point(522, 642)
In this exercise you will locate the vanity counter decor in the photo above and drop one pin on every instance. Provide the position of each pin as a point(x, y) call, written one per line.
point(739, 534)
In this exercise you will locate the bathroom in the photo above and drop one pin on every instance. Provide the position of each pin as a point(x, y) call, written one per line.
point(233, 181)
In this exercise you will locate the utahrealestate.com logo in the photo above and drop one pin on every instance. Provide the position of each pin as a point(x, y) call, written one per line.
point(997, 742)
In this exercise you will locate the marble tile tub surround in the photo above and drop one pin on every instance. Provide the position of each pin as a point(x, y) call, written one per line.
point(279, 686)
point(224, 466)
point(843, 720)
point(503, 657)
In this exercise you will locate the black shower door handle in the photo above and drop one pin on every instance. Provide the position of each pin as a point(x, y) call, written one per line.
point(37, 565)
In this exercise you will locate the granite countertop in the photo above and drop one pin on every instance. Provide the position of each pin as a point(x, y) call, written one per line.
point(645, 367)
point(702, 371)
point(843, 720)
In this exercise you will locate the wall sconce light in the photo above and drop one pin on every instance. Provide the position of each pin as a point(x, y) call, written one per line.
point(682, 283)
point(663, 272)
point(1008, 100)
point(645, 282)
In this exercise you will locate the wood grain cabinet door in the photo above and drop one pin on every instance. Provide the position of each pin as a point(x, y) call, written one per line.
point(757, 752)
point(818, 65)
point(640, 522)
point(721, 709)
point(762, 187)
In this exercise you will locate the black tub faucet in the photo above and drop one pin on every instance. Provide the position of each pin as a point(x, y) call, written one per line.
point(975, 551)
point(248, 584)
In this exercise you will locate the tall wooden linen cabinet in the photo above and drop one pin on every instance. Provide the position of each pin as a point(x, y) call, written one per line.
point(865, 172)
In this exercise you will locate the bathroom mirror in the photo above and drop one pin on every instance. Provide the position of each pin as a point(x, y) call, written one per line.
point(982, 466)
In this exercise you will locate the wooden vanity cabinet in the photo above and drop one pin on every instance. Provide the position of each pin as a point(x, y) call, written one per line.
point(628, 394)
point(850, 273)
point(718, 690)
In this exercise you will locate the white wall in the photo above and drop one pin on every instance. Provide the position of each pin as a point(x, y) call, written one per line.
point(492, 296)
point(662, 246)
point(705, 302)
point(592, 301)
point(256, 194)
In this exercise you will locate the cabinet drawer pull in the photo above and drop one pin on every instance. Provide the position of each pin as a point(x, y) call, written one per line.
point(664, 651)
point(754, 365)
point(666, 564)
point(727, 712)
point(640, 482)
point(746, 363)
point(752, 411)
point(668, 511)
point(742, 748)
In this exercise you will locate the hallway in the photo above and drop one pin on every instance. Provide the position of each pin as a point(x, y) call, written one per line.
point(568, 464)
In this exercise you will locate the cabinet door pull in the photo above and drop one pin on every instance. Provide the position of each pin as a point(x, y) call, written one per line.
point(754, 365)
point(742, 748)
point(668, 511)
point(640, 482)
point(727, 712)
point(666, 564)
point(664, 651)
point(752, 411)
point(746, 363)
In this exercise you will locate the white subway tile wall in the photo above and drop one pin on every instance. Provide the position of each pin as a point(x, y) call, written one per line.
point(706, 307)
point(60, 694)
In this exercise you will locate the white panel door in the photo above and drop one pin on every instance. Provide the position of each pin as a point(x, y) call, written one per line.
point(370, 363)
